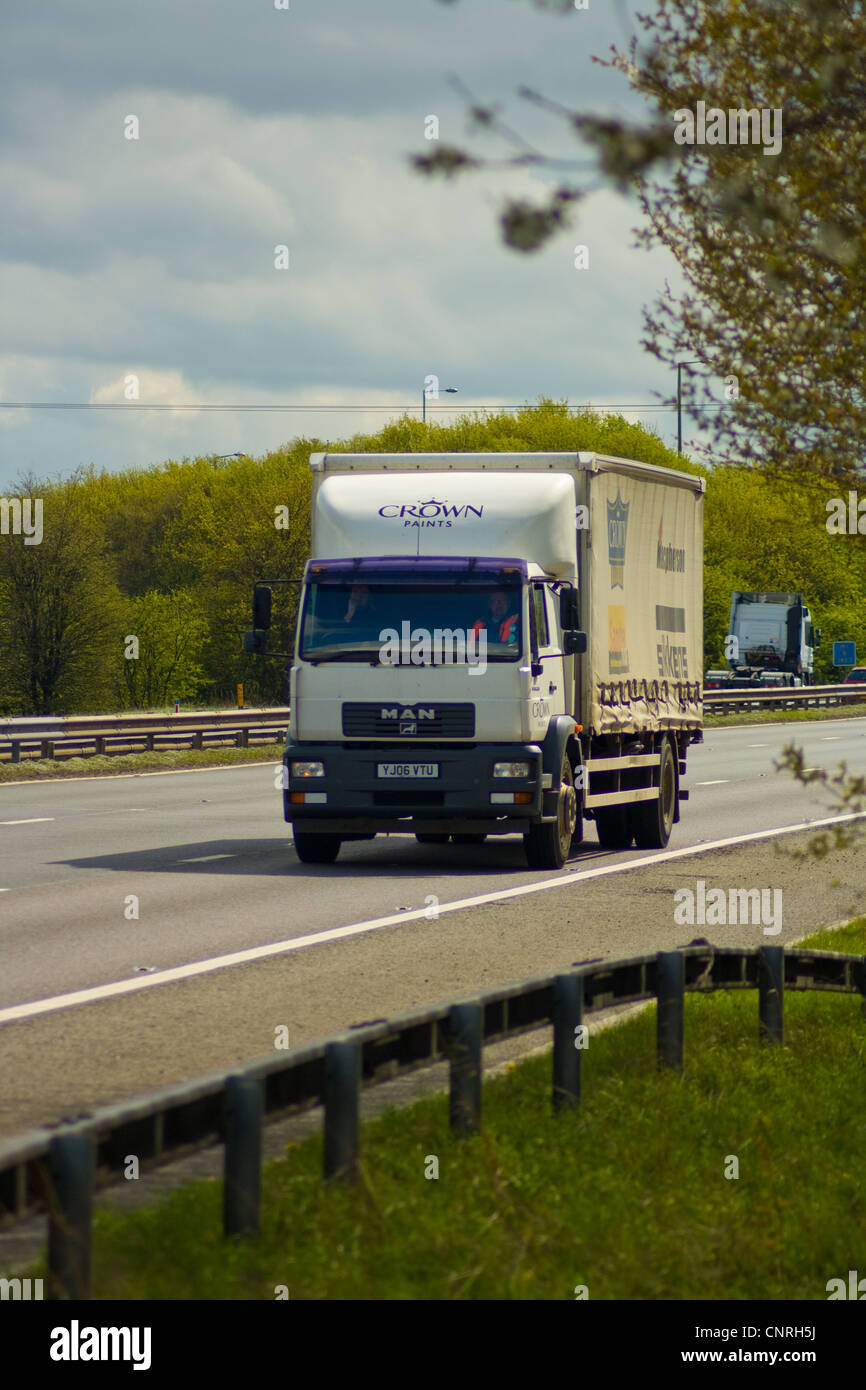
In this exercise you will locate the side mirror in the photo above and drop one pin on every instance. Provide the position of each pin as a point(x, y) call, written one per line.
point(574, 643)
point(262, 599)
point(255, 642)
point(817, 641)
point(569, 609)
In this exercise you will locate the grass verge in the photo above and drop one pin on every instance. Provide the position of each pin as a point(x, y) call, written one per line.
point(784, 716)
point(627, 1197)
point(106, 765)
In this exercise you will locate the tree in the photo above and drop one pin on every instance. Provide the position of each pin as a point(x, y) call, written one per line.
point(162, 648)
point(772, 245)
point(60, 610)
point(249, 521)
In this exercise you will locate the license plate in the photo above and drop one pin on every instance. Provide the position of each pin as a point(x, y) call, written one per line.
point(412, 770)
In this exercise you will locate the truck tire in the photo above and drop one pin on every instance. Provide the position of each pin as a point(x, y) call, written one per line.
point(465, 838)
point(548, 845)
point(431, 838)
point(652, 821)
point(313, 848)
point(613, 827)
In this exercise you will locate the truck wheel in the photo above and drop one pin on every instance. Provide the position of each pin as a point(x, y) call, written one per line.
point(316, 849)
point(467, 839)
point(613, 827)
point(431, 838)
point(652, 821)
point(548, 845)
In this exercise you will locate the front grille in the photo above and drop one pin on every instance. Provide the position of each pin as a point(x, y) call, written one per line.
point(408, 798)
point(384, 720)
point(393, 745)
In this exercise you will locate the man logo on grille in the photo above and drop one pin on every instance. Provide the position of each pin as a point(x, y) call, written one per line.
point(408, 718)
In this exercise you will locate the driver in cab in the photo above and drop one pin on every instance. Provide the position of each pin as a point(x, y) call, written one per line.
point(361, 610)
point(503, 620)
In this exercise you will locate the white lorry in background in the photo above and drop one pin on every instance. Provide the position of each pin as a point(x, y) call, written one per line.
point(493, 643)
point(770, 642)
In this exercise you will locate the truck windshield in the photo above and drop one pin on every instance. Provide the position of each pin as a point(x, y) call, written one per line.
point(411, 624)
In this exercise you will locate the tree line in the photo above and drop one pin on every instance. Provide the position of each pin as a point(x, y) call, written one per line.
point(140, 588)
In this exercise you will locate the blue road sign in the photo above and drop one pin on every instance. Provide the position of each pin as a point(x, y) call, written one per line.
point(844, 654)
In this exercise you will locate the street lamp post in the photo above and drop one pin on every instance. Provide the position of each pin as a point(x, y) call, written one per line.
point(695, 362)
point(452, 390)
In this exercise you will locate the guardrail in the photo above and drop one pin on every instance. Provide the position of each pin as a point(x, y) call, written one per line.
point(93, 734)
point(58, 1172)
point(117, 733)
point(784, 696)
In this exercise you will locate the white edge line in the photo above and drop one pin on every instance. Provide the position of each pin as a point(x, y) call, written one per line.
point(205, 858)
point(31, 820)
point(276, 948)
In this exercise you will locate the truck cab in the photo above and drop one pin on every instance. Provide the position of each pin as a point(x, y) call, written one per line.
point(422, 694)
point(772, 639)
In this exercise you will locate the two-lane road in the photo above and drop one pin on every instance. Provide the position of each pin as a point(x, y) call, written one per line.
point(158, 928)
point(108, 877)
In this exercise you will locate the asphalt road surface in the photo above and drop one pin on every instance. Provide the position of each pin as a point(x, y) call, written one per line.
point(108, 883)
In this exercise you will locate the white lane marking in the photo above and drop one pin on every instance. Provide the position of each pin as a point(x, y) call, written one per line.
point(206, 858)
point(718, 783)
point(298, 943)
point(757, 745)
point(830, 738)
point(32, 820)
point(116, 776)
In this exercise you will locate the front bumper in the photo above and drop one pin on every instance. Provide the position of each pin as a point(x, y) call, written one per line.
point(457, 800)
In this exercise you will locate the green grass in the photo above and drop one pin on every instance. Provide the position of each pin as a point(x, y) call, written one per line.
point(784, 716)
point(38, 769)
point(628, 1196)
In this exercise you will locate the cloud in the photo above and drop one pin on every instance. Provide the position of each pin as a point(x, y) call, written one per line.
point(156, 256)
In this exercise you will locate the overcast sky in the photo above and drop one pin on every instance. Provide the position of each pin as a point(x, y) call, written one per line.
point(261, 127)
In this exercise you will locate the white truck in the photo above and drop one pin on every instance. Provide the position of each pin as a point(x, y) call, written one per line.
point(771, 641)
point(493, 643)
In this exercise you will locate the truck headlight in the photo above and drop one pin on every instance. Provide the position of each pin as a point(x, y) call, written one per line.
point(511, 769)
point(308, 769)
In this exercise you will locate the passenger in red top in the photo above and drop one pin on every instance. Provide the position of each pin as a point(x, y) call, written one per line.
point(501, 625)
